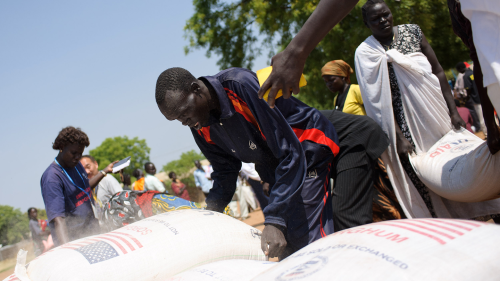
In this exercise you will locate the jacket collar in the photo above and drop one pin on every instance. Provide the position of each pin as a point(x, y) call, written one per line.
point(227, 110)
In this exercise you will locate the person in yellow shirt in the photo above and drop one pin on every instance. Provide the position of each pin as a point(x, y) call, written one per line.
point(336, 74)
point(385, 205)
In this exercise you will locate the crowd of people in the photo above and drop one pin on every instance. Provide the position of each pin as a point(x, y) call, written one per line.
point(284, 153)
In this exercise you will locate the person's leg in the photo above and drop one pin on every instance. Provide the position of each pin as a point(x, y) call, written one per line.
point(257, 188)
point(312, 219)
point(352, 197)
point(475, 119)
point(479, 111)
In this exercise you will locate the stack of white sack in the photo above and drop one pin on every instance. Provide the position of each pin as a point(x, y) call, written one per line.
point(154, 248)
point(228, 270)
point(417, 249)
point(460, 167)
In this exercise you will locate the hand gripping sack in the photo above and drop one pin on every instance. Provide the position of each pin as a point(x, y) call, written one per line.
point(154, 248)
point(460, 167)
point(416, 249)
point(228, 270)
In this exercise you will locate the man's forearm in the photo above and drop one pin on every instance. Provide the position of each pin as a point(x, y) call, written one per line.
point(61, 230)
point(327, 14)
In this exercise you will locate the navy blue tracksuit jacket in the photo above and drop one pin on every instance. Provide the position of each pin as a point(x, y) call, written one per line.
point(291, 145)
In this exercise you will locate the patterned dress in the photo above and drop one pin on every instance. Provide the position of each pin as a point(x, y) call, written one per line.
point(408, 41)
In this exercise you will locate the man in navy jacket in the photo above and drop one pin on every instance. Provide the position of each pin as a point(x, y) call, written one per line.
point(292, 146)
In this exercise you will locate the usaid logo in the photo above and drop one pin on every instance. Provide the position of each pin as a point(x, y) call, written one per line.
point(304, 270)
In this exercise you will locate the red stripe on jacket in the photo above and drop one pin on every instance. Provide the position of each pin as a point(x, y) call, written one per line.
point(205, 132)
point(242, 108)
point(316, 136)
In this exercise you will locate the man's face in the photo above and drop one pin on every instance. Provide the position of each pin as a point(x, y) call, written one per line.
point(190, 109)
point(33, 214)
point(90, 167)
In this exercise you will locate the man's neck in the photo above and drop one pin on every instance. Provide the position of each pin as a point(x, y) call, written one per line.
point(213, 99)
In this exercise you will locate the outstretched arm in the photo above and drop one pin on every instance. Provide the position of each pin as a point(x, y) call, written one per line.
point(289, 64)
point(437, 70)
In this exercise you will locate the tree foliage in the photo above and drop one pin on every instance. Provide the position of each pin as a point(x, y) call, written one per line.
point(184, 164)
point(238, 31)
point(14, 225)
point(117, 148)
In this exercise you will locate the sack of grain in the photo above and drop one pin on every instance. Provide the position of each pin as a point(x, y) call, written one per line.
point(156, 248)
point(228, 270)
point(417, 249)
point(460, 167)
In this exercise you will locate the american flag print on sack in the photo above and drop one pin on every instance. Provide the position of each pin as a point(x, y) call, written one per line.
point(98, 252)
point(105, 246)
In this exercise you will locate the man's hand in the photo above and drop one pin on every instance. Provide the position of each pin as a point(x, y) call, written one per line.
point(265, 188)
point(109, 168)
point(285, 76)
point(404, 147)
point(275, 238)
point(457, 121)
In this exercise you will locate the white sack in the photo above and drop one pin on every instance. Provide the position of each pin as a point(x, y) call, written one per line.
point(418, 249)
point(460, 167)
point(426, 115)
point(154, 248)
point(229, 270)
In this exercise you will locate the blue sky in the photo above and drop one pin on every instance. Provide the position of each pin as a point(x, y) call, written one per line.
point(90, 64)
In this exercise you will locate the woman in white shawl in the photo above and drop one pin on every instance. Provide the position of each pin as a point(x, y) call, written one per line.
point(405, 91)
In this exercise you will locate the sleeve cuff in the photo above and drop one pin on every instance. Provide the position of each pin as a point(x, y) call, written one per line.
point(276, 221)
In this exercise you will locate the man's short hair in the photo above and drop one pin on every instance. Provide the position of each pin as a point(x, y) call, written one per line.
point(460, 65)
point(174, 79)
point(136, 173)
point(171, 174)
point(90, 157)
point(146, 164)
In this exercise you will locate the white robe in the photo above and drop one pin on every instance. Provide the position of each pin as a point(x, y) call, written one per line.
point(484, 16)
point(427, 117)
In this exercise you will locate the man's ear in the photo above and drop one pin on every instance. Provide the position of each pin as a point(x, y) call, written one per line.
point(366, 24)
point(195, 88)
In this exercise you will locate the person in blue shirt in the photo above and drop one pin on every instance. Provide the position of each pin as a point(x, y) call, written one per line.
point(292, 146)
point(66, 190)
point(200, 179)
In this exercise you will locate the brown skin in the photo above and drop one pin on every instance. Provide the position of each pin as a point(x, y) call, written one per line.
point(289, 64)
point(193, 110)
point(380, 21)
point(336, 84)
point(194, 107)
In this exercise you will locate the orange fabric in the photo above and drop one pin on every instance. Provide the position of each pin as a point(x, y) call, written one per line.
point(139, 184)
point(338, 68)
point(242, 108)
point(205, 132)
point(316, 136)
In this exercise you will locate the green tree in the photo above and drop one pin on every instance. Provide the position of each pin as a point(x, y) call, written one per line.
point(239, 31)
point(117, 148)
point(184, 164)
point(14, 225)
